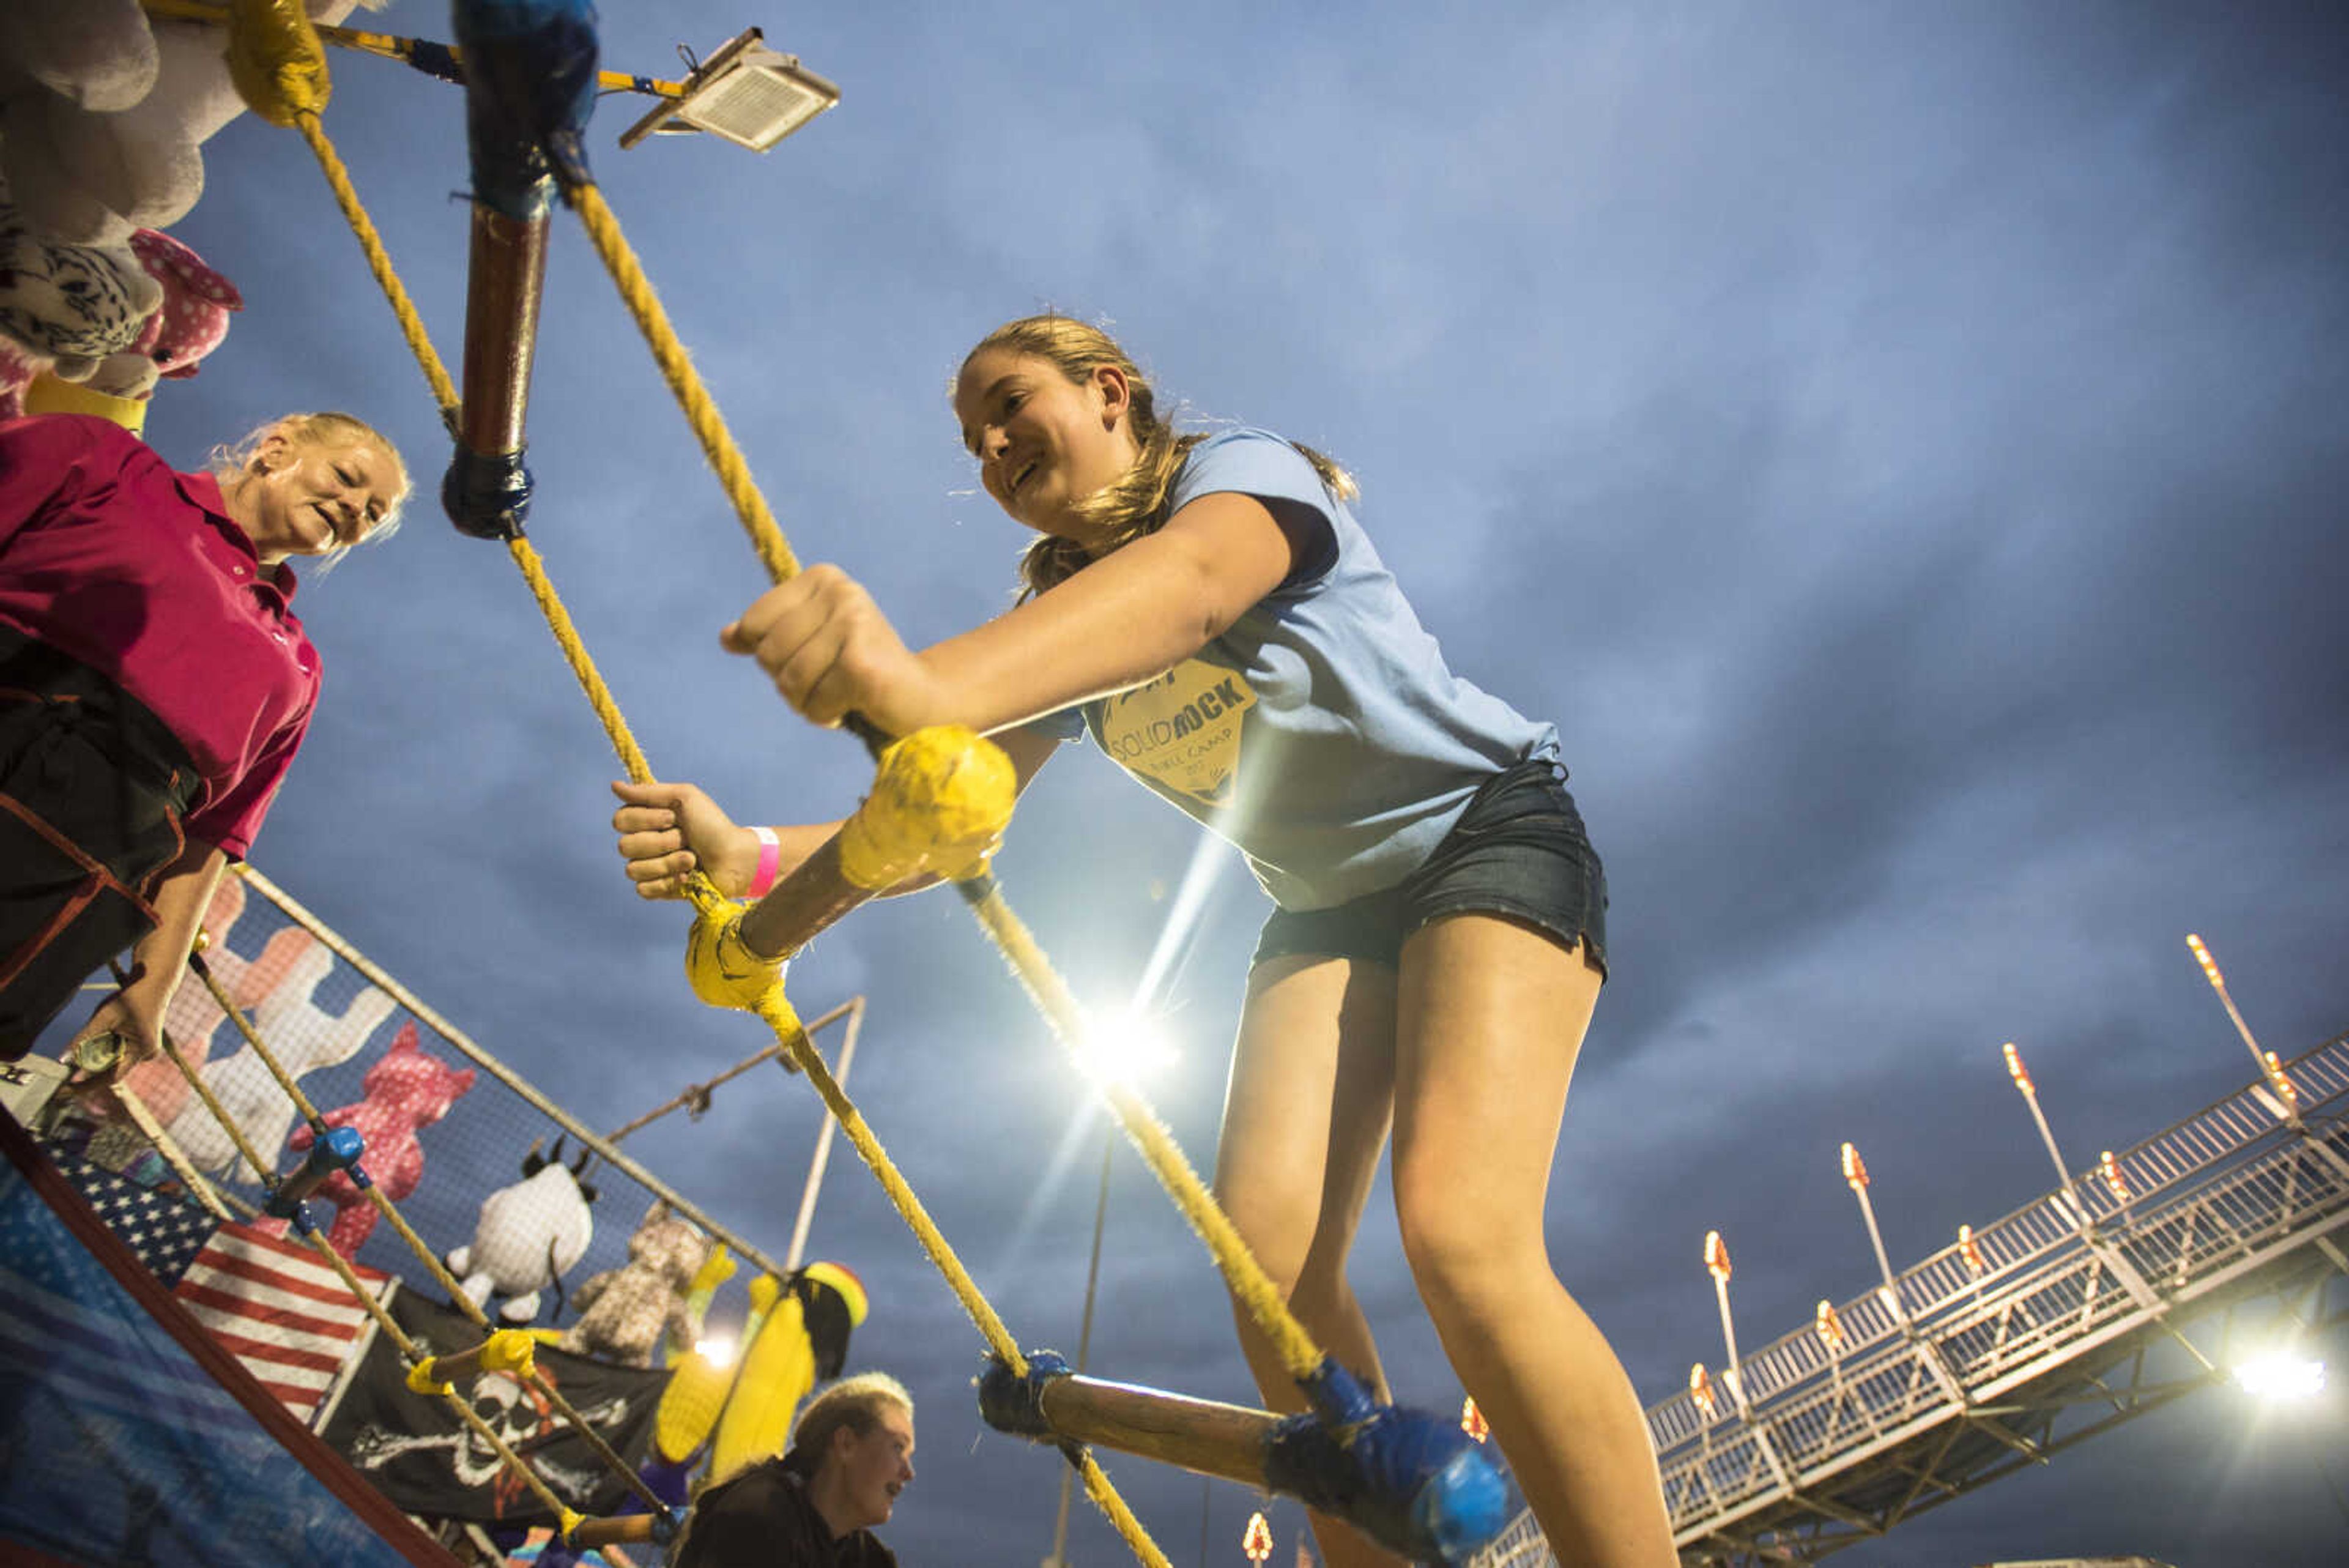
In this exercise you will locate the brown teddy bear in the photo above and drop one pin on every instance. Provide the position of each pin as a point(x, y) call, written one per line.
point(625, 1313)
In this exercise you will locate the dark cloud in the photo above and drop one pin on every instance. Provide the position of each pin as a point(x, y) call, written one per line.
point(1901, 449)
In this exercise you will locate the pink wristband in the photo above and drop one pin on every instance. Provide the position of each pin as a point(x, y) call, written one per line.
point(770, 856)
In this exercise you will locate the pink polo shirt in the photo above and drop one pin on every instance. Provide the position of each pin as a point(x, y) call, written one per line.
point(109, 555)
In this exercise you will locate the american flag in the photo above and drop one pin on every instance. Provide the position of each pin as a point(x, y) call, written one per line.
point(280, 1309)
point(162, 1227)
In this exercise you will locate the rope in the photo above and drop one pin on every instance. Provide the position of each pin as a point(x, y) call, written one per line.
point(325, 1248)
point(378, 259)
point(790, 1034)
point(275, 59)
point(677, 368)
point(384, 1206)
point(695, 1096)
point(421, 53)
point(152, 1130)
point(1250, 1285)
point(726, 458)
point(583, 667)
point(702, 893)
point(940, 1252)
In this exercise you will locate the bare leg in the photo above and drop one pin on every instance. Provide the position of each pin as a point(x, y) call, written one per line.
point(1305, 1120)
point(1490, 1017)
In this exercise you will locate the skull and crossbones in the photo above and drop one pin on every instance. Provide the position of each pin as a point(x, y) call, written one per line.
point(521, 1418)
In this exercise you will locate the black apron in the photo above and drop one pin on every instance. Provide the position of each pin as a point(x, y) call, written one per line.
point(92, 790)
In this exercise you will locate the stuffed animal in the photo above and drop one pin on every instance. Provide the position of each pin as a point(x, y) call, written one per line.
point(625, 1311)
point(192, 1019)
point(191, 1015)
point(97, 54)
point(89, 175)
point(197, 301)
point(799, 1339)
point(191, 323)
point(405, 1091)
point(528, 1235)
point(64, 308)
point(302, 1035)
point(92, 156)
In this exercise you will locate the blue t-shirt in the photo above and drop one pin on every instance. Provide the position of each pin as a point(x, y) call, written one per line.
point(1322, 733)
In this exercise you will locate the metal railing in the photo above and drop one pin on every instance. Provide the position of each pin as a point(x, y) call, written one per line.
point(2194, 1207)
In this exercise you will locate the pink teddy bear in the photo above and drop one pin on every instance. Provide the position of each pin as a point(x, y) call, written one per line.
point(191, 324)
point(406, 1090)
point(191, 320)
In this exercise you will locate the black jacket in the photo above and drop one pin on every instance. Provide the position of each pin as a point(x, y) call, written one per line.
point(763, 1519)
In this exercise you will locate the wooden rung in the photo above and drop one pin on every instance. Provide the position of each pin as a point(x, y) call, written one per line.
point(503, 285)
point(1201, 1436)
point(621, 1530)
point(1411, 1483)
point(804, 904)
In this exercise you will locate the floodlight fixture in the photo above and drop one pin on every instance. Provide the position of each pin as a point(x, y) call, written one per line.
point(1126, 1046)
point(2110, 1169)
point(746, 92)
point(1701, 1390)
point(1830, 1328)
point(1970, 1250)
point(2281, 1377)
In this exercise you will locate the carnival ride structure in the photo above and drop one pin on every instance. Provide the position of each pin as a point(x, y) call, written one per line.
point(2128, 1286)
point(1950, 1374)
point(940, 804)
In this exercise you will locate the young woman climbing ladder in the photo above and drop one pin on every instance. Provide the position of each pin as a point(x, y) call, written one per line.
point(1207, 607)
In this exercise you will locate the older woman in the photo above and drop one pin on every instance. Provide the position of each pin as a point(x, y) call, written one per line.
point(154, 686)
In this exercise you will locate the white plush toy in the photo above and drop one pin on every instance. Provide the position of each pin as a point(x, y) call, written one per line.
point(65, 308)
point(304, 1037)
point(92, 154)
point(98, 53)
point(528, 1235)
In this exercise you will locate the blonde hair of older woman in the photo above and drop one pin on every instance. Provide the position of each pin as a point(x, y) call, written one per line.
point(232, 459)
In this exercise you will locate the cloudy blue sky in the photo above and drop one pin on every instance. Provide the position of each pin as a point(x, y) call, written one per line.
point(1902, 448)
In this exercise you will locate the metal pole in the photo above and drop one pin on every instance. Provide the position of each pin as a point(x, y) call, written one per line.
point(529, 1093)
point(2022, 1076)
point(1085, 1345)
point(1855, 1175)
point(1716, 1264)
point(2286, 1095)
point(823, 1139)
point(700, 1093)
point(1092, 1269)
point(2218, 984)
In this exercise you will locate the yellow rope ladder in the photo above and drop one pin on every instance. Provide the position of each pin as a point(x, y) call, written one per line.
point(1249, 1284)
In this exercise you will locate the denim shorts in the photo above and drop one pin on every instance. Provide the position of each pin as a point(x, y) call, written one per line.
point(1518, 851)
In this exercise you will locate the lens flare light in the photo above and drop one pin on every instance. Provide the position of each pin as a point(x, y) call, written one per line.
point(1125, 1046)
point(2282, 1377)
